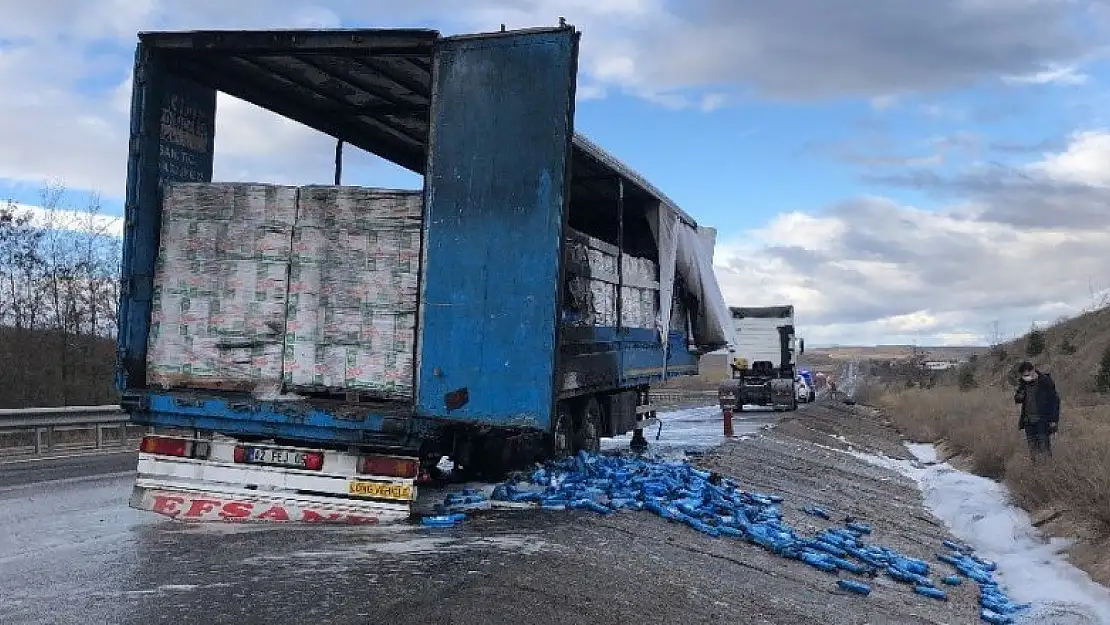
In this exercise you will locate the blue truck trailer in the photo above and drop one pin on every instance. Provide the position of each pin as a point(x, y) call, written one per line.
point(542, 289)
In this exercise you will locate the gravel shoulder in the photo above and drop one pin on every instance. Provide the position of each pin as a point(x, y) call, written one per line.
point(798, 460)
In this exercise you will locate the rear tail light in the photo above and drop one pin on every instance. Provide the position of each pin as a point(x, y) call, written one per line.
point(389, 466)
point(179, 447)
point(165, 446)
point(314, 461)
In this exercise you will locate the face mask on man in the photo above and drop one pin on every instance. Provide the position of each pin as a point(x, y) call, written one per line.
point(1028, 377)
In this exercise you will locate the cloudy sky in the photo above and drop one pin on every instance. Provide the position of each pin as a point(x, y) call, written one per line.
point(900, 170)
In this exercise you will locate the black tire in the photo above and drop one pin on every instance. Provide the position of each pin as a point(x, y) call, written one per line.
point(587, 426)
point(491, 458)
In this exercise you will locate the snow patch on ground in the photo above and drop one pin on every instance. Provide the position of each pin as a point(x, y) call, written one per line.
point(924, 452)
point(978, 512)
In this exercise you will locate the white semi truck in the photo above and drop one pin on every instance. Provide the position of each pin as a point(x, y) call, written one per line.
point(762, 360)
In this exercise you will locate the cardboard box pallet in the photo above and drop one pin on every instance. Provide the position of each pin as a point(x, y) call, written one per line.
point(265, 288)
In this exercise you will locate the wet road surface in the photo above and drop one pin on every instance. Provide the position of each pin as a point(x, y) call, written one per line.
point(32, 470)
point(72, 552)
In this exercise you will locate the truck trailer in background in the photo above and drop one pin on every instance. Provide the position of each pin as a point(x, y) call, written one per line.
point(762, 360)
point(307, 353)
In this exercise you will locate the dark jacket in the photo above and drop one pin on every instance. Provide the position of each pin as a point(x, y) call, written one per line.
point(1039, 401)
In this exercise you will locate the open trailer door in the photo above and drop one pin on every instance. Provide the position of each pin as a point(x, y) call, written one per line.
point(495, 208)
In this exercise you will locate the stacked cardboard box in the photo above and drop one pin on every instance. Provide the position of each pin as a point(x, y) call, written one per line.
point(639, 304)
point(218, 310)
point(353, 291)
point(592, 288)
point(267, 288)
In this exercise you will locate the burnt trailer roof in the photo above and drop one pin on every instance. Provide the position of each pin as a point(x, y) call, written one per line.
point(371, 88)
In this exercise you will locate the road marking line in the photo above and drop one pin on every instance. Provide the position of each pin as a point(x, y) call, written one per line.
point(92, 454)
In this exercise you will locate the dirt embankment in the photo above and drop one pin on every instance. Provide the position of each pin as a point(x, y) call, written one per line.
point(1067, 496)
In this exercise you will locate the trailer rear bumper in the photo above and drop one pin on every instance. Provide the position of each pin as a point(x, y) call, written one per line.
point(213, 480)
point(232, 505)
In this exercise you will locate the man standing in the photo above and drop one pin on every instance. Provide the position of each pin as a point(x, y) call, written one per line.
point(1040, 408)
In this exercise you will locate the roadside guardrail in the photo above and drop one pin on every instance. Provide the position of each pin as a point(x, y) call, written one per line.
point(29, 432)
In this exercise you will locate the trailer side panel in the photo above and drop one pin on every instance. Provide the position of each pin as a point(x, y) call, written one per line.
point(172, 139)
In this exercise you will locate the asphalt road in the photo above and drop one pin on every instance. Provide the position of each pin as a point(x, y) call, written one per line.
point(30, 471)
point(72, 552)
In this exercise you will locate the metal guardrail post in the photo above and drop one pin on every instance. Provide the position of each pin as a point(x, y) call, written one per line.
point(40, 425)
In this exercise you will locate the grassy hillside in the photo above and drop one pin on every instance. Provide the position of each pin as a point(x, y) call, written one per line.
point(972, 413)
point(1071, 352)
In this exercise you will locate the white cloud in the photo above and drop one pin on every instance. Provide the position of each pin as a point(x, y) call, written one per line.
point(71, 220)
point(884, 102)
point(1058, 75)
point(872, 269)
point(65, 64)
point(712, 101)
point(1086, 161)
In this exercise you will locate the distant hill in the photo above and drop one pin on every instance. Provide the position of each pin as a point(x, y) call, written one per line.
point(1072, 350)
point(893, 352)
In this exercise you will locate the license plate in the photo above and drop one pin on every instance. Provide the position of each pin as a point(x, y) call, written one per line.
point(380, 490)
point(283, 457)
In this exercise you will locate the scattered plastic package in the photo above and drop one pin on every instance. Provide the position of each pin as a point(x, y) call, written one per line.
point(443, 520)
point(717, 506)
point(853, 586)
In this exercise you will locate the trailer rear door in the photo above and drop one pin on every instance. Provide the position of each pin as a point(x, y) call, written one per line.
point(496, 194)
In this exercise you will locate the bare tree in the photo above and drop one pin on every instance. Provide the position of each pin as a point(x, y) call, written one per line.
point(58, 294)
point(1100, 297)
point(21, 267)
point(995, 334)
